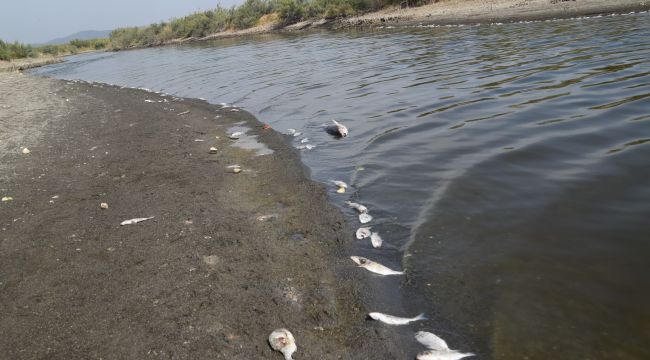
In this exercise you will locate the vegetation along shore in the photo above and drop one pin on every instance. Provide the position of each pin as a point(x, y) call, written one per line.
point(263, 16)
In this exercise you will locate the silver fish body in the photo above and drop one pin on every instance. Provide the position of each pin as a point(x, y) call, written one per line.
point(134, 221)
point(375, 267)
point(438, 348)
point(365, 218)
point(358, 207)
point(337, 129)
point(395, 320)
point(339, 183)
point(363, 232)
point(282, 340)
point(442, 355)
point(376, 240)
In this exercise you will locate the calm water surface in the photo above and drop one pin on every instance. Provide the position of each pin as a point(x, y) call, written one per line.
point(507, 166)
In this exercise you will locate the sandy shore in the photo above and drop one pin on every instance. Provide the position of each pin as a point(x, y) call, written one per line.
point(29, 63)
point(209, 277)
point(488, 11)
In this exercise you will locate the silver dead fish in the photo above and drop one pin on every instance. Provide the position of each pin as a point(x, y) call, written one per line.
point(375, 267)
point(358, 207)
point(395, 320)
point(438, 349)
point(282, 340)
point(365, 218)
point(135, 221)
point(337, 129)
point(363, 232)
point(236, 135)
point(342, 186)
point(376, 240)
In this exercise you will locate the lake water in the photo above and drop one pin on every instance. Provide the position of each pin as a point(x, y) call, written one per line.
point(507, 166)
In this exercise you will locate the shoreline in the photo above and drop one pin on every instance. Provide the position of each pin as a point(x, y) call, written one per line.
point(443, 13)
point(226, 259)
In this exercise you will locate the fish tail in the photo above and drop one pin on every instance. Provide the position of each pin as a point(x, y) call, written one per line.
point(421, 317)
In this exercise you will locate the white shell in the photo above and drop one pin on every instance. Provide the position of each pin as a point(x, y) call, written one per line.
point(363, 232)
point(375, 239)
point(365, 218)
point(282, 340)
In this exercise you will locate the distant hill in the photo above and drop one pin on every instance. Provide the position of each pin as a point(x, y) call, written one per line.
point(82, 35)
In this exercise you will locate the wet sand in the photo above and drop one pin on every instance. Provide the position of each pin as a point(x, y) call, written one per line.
point(205, 278)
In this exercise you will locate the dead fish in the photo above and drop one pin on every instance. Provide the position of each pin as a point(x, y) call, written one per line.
point(183, 113)
point(442, 355)
point(365, 218)
point(438, 349)
point(305, 147)
point(363, 232)
point(337, 129)
point(395, 320)
point(234, 110)
point(342, 186)
point(305, 140)
point(282, 340)
point(291, 131)
point(7, 198)
point(375, 267)
point(376, 240)
point(134, 221)
point(358, 207)
point(235, 135)
point(26, 151)
point(103, 205)
point(213, 150)
point(297, 134)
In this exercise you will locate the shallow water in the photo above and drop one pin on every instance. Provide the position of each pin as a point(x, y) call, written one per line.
point(507, 166)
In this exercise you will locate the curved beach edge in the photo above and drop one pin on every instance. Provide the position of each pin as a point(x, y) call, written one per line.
point(226, 259)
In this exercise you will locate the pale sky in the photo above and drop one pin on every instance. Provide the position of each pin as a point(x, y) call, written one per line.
point(38, 21)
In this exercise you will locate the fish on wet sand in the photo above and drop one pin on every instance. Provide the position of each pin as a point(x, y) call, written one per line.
point(363, 232)
point(395, 320)
point(358, 207)
point(438, 348)
point(236, 135)
point(135, 221)
point(375, 267)
point(376, 240)
point(282, 340)
point(365, 218)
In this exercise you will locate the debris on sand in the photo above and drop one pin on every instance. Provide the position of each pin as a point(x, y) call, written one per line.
point(135, 221)
point(282, 340)
point(103, 205)
point(26, 151)
point(7, 198)
point(213, 150)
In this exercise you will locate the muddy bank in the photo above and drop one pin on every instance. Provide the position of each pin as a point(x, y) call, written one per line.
point(24, 64)
point(226, 259)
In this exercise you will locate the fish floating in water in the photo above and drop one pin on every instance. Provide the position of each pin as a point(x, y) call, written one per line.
point(365, 218)
point(438, 349)
point(376, 240)
point(342, 186)
point(282, 340)
point(358, 207)
point(337, 129)
point(375, 267)
point(363, 232)
point(395, 320)
point(135, 221)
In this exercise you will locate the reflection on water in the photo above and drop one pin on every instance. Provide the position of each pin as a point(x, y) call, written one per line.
point(506, 166)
